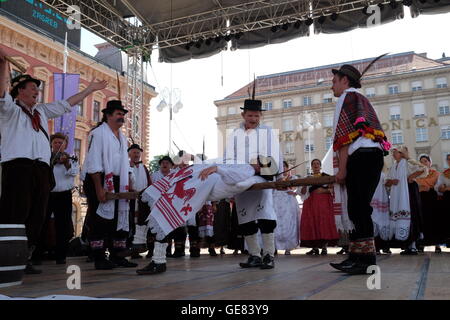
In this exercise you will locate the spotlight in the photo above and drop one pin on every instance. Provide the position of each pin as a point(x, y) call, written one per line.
point(393, 4)
point(285, 26)
point(407, 3)
point(297, 24)
point(321, 19)
point(274, 28)
point(309, 21)
point(334, 16)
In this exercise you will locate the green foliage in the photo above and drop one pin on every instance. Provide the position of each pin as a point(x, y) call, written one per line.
point(154, 165)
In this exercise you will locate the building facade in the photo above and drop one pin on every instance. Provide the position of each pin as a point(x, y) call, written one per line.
point(409, 91)
point(42, 56)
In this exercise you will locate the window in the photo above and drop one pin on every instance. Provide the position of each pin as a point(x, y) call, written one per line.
point(416, 85)
point(77, 148)
point(289, 147)
point(394, 112)
point(444, 107)
point(41, 96)
point(232, 110)
point(370, 92)
point(441, 83)
point(307, 101)
point(327, 98)
point(445, 132)
point(419, 110)
point(96, 111)
point(268, 105)
point(393, 89)
point(80, 109)
point(287, 104)
point(328, 143)
point(309, 146)
point(397, 137)
point(328, 120)
point(421, 134)
point(288, 125)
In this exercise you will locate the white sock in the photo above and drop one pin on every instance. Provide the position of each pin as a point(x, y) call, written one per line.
point(159, 253)
point(268, 240)
point(140, 236)
point(253, 246)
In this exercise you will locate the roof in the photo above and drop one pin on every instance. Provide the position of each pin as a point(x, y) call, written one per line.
point(395, 63)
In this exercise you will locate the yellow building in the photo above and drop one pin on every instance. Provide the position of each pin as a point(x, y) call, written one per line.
point(409, 92)
point(42, 56)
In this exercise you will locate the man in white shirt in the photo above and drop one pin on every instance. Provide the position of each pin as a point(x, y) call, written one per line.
point(27, 178)
point(107, 170)
point(65, 169)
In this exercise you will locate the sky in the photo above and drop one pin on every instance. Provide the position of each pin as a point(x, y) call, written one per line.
point(199, 80)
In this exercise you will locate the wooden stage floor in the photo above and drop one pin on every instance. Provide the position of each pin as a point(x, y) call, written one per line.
point(298, 276)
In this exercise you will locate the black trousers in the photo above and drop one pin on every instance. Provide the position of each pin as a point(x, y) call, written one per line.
point(60, 205)
point(100, 229)
point(25, 193)
point(266, 226)
point(363, 174)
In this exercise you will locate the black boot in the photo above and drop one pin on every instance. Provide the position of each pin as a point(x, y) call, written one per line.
point(179, 250)
point(252, 262)
point(152, 268)
point(268, 262)
point(212, 252)
point(100, 261)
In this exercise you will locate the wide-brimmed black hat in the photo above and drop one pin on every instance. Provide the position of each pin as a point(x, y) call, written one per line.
point(166, 158)
point(135, 146)
point(22, 79)
point(113, 105)
point(351, 72)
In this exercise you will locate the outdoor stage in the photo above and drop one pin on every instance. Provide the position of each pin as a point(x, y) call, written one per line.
point(298, 276)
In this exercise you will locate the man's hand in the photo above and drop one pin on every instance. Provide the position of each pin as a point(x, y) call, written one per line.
point(206, 172)
point(97, 85)
point(340, 176)
point(101, 195)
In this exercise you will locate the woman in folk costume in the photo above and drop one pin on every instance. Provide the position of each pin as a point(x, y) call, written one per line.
point(288, 215)
point(317, 226)
point(205, 218)
point(255, 208)
point(432, 216)
point(404, 204)
point(359, 144)
point(442, 187)
point(380, 216)
point(180, 195)
point(107, 170)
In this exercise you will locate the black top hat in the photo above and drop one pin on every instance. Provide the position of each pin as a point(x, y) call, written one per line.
point(351, 72)
point(252, 105)
point(165, 158)
point(19, 80)
point(113, 105)
point(135, 146)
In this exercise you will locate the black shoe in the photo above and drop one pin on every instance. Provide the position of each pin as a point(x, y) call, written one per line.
point(61, 261)
point(104, 264)
point(267, 262)
point(338, 266)
point(354, 268)
point(178, 254)
point(342, 251)
point(387, 251)
point(313, 251)
point(324, 252)
point(252, 262)
point(409, 252)
point(222, 251)
point(152, 268)
point(437, 250)
point(195, 253)
point(122, 262)
point(212, 252)
point(29, 269)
